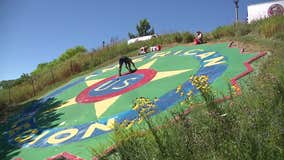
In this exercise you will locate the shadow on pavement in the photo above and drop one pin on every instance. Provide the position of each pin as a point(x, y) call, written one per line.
point(18, 127)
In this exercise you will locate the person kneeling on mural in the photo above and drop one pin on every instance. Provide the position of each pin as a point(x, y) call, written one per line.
point(198, 38)
point(128, 63)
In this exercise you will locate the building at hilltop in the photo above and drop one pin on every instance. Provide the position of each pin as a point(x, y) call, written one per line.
point(264, 10)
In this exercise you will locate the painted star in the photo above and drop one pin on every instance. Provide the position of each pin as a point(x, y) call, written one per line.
point(102, 106)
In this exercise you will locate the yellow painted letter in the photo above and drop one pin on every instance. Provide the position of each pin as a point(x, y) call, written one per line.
point(204, 55)
point(54, 140)
point(91, 129)
point(214, 61)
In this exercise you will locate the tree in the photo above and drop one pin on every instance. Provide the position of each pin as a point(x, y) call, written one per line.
point(5, 84)
point(72, 52)
point(26, 77)
point(131, 35)
point(143, 29)
point(40, 68)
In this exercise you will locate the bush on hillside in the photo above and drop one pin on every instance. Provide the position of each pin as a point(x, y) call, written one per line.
point(177, 37)
point(279, 36)
point(72, 52)
point(271, 26)
point(242, 29)
point(225, 31)
point(187, 37)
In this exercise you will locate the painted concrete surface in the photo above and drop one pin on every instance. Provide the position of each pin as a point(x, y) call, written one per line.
point(81, 114)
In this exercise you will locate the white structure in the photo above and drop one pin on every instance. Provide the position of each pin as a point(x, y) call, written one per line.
point(263, 10)
point(144, 38)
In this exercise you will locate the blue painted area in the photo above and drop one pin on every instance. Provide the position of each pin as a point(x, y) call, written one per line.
point(166, 101)
point(119, 118)
point(60, 90)
point(115, 85)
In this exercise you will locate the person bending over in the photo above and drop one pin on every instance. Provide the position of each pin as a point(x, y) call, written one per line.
point(128, 62)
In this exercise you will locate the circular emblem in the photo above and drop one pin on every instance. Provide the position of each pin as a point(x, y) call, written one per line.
point(275, 9)
point(114, 86)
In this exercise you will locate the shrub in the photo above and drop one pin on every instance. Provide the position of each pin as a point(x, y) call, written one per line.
point(225, 31)
point(187, 37)
point(279, 36)
point(242, 29)
point(177, 37)
point(271, 26)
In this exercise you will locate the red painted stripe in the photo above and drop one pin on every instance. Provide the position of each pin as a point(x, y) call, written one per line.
point(66, 155)
point(248, 70)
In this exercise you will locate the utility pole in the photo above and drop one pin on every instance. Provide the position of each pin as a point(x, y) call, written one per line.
point(237, 10)
point(103, 44)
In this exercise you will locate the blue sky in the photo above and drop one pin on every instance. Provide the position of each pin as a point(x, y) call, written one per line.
point(37, 31)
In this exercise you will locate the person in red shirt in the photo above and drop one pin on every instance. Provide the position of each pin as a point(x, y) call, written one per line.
point(198, 38)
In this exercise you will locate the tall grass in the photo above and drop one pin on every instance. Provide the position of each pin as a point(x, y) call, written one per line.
point(266, 28)
point(271, 26)
point(224, 31)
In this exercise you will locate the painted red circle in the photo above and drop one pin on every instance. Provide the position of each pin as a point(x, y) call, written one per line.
point(275, 9)
point(84, 96)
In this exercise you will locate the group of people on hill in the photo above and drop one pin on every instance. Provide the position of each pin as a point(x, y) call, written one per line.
point(144, 49)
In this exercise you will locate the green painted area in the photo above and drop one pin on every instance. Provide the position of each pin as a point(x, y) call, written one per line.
point(85, 114)
point(77, 114)
point(235, 61)
point(69, 93)
point(235, 67)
